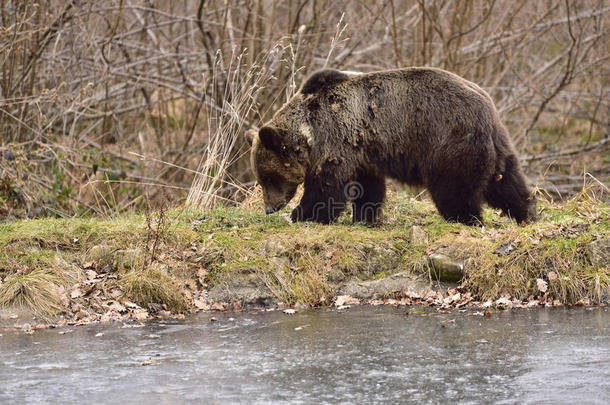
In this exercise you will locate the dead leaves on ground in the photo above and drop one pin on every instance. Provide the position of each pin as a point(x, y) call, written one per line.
point(453, 298)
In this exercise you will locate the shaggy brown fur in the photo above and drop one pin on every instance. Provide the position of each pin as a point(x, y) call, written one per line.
point(342, 135)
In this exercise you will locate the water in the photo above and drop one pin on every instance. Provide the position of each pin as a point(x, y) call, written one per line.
point(362, 355)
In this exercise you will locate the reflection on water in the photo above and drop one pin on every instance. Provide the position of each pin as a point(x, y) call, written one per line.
point(363, 355)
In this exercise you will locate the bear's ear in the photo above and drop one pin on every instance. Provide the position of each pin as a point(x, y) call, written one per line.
point(250, 134)
point(271, 139)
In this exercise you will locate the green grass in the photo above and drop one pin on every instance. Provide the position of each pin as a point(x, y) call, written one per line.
point(303, 262)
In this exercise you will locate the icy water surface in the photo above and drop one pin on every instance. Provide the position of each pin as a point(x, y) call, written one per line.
point(361, 355)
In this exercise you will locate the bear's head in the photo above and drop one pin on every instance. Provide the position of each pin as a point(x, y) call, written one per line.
point(280, 159)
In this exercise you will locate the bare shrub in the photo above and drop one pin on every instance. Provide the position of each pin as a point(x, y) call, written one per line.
point(106, 101)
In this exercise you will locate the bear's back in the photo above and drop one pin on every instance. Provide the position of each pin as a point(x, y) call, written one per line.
point(323, 79)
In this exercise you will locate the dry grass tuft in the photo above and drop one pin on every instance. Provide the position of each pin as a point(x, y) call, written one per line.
point(225, 125)
point(153, 285)
point(38, 291)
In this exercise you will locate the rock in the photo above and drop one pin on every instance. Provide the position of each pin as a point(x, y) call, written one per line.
point(246, 287)
point(335, 275)
point(445, 268)
point(418, 236)
point(376, 258)
point(403, 281)
point(599, 252)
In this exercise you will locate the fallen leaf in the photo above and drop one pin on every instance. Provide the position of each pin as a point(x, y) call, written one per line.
point(80, 290)
point(504, 302)
point(201, 274)
point(219, 306)
point(200, 304)
point(542, 285)
point(533, 303)
point(115, 306)
point(140, 315)
point(116, 293)
point(552, 276)
point(342, 300)
point(131, 305)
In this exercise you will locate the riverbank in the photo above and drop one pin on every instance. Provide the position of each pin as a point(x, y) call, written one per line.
point(168, 264)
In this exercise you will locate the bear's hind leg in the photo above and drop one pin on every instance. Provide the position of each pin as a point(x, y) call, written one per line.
point(508, 191)
point(456, 202)
point(367, 195)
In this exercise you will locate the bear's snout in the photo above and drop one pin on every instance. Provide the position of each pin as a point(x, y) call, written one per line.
point(269, 210)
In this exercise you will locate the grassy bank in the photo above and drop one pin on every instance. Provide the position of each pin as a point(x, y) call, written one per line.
point(176, 262)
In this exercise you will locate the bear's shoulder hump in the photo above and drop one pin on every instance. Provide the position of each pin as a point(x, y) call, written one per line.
point(323, 79)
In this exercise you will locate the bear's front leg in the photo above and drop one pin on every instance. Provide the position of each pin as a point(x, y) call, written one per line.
point(367, 195)
point(319, 204)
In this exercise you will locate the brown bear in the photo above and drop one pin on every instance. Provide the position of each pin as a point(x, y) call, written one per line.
point(343, 134)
